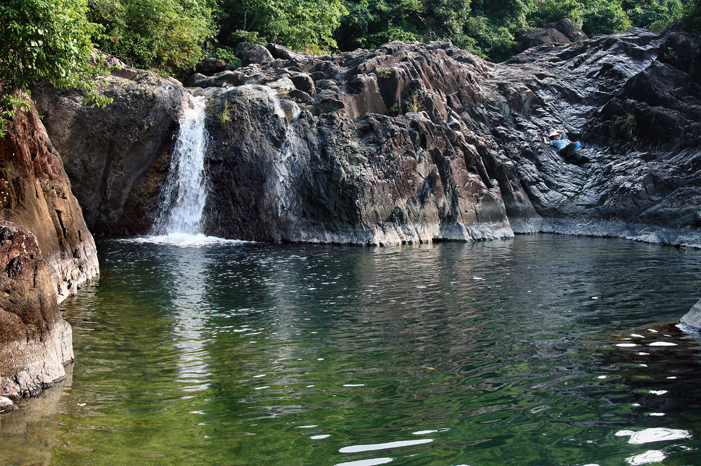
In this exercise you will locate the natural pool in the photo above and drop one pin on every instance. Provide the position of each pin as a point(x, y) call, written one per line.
point(544, 350)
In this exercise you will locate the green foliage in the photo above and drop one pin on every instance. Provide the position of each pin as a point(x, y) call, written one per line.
point(692, 16)
point(225, 116)
point(653, 14)
point(604, 17)
point(414, 103)
point(374, 22)
point(9, 105)
point(163, 34)
point(45, 40)
point(627, 125)
point(305, 25)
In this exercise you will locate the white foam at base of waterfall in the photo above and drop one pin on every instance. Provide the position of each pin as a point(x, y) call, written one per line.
point(179, 220)
point(186, 240)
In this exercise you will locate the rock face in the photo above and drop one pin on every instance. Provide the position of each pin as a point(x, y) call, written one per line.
point(118, 156)
point(36, 193)
point(564, 31)
point(35, 341)
point(415, 142)
point(46, 253)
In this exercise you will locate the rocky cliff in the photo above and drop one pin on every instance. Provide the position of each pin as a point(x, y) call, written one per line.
point(36, 193)
point(117, 157)
point(46, 253)
point(411, 142)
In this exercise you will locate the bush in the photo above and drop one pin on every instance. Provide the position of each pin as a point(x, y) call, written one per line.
point(164, 34)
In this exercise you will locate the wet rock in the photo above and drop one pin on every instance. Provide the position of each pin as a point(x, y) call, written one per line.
point(35, 341)
point(693, 317)
point(421, 142)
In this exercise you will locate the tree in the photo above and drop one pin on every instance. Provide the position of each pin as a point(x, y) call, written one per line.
point(45, 40)
point(305, 25)
point(692, 16)
point(375, 22)
point(164, 34)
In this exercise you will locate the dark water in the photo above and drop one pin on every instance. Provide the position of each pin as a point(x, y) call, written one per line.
point(499, 353)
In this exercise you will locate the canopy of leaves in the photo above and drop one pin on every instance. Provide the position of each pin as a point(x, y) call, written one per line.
point(692, 16)
point(45, 40)
point(305, 25)
point(162, 34)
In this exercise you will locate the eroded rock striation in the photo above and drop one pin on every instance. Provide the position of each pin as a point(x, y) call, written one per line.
point(413, 142)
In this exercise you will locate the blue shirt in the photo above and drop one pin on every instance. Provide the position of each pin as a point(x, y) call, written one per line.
point(559, 143)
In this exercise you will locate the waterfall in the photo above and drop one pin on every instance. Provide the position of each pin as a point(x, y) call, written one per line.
point(184, 194)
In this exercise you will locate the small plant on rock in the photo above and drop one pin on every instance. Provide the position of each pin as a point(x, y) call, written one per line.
point(627, 125)
point(225, 116)
point(414, 103)
point(383, 72)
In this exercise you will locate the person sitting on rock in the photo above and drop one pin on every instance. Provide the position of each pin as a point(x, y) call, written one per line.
point(564, 146)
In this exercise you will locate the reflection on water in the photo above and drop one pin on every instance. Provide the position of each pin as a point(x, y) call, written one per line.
point(544, 350)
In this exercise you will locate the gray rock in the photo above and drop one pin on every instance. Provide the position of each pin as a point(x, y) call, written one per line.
point(258, 55)
point(304, 82)
point(210, 65)
point(564, 31)
point(117, 157)
point(415, 142)
point(242, 49)
point(693, 317)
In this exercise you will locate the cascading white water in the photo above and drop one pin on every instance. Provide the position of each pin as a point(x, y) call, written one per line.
point(184, 194)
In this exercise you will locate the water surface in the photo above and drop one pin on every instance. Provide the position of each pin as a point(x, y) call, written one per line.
point(544, 350)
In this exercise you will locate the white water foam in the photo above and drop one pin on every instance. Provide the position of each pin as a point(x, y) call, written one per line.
point(179, 220)
point(185, 240)
point(184, 194)
point(658, 434)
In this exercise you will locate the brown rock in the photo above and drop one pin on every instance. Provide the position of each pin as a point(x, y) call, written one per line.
point(35, 341)
point(35, 192)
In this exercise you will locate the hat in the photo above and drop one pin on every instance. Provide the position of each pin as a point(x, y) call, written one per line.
point(553, 133)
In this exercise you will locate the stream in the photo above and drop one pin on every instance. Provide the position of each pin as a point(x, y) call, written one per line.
point(542, 350)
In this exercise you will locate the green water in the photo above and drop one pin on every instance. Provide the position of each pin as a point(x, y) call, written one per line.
point(498, 353)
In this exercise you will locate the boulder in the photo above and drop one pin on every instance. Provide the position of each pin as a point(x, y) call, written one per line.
point(210, 65)
point(257, 55)
point(564, 31)
point(242, 49)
